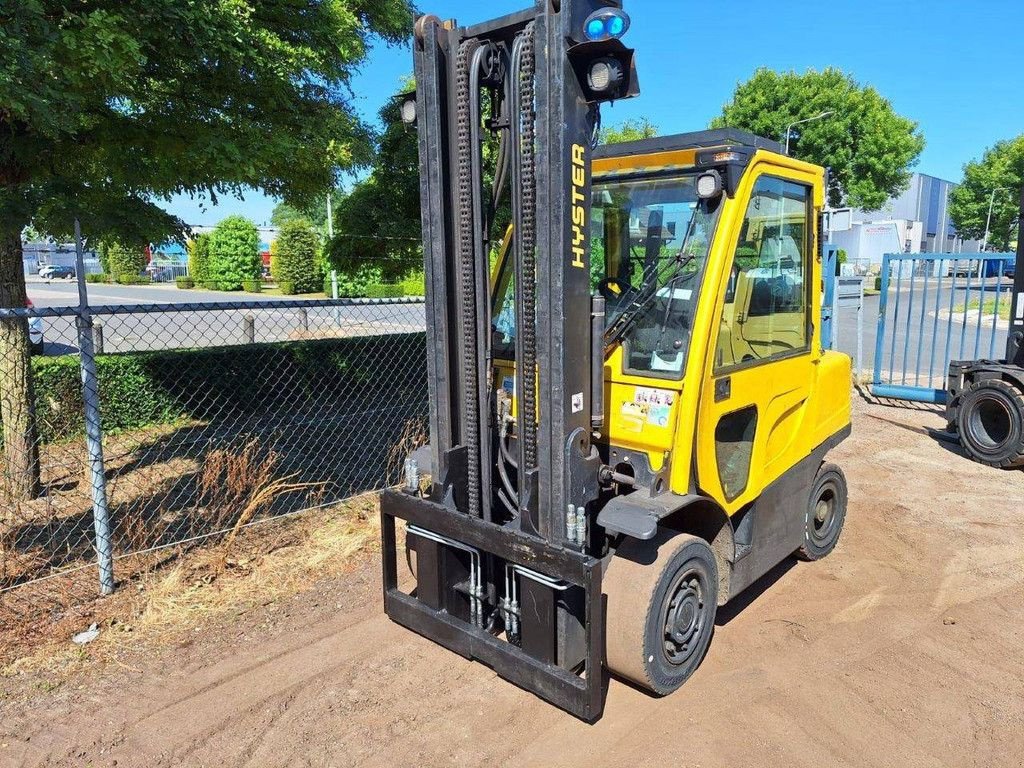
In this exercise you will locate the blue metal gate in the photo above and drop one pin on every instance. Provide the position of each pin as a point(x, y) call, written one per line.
point(934, 308)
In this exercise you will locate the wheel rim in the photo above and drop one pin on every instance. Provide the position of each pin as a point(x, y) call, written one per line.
point(991, 423)
point(823, 512)
point(685, 616)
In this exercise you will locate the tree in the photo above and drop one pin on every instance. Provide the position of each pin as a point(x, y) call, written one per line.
point(199, 258)
point(629, 130)
point(868, 147)
point(997, 179)
point(123, 259)
point(377, 224)
point(315, 213)
point(234, 253)
point(296, 256)
point(100, 114)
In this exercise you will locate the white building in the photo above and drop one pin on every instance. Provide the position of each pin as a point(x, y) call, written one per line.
point(916, 221)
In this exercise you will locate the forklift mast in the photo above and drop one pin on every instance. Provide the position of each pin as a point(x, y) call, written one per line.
point(489, 536)
point(545, 70)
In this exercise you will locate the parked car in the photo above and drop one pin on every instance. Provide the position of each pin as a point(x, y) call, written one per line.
point(35, 331)
point(56, 271)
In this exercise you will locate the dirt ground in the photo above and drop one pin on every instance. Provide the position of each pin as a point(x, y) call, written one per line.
point(904, 648)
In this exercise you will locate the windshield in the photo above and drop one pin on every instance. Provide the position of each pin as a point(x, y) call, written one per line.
point(649, 246)
point(650, 240)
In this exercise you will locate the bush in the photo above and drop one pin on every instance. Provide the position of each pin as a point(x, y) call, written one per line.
point(209, 285)
point(130, 279)
point(287, 287)
point(234, 253)
point(199, 258)
point(97, 277)
point(142, 389)
point(382, 291)
point(123, 259)
point(184, 283)
point(295, 257)
point(352, 283)
point(414, 285)
point(252, 286)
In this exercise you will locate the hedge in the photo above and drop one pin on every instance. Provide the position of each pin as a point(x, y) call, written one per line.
point(287, 287)
point(252, 286)
point(97, 277)
point(296, 256)
point(126, 279)
point(184, 282)
point(381, 291)
point(414, 285)
point(142, 389)
point(234, 253)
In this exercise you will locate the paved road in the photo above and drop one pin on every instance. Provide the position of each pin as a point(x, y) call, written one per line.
point(171, 329)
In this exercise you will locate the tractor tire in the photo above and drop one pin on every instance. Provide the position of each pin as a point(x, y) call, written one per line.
point(991, 423)
point(825, 514)
point(662, 600)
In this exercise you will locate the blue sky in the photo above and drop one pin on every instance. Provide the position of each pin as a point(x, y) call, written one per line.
point(952, 66)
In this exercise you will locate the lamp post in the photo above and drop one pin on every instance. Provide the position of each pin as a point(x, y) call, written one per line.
point(988, 221)
point(792, 125)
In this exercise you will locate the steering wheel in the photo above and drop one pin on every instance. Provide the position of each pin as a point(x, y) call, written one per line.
point(614, 289)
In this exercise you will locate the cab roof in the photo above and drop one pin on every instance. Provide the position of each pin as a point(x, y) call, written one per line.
point(719, 137)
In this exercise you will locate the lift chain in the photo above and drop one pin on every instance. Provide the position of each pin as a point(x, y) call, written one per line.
point(528, 238)
point(467, 272)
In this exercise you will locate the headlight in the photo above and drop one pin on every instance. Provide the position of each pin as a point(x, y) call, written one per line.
point(604, 75)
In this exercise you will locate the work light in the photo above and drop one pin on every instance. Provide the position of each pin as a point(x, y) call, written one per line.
point(709, 185)
point(604, 75)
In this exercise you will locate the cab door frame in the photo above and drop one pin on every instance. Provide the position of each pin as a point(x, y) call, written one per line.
point(766, 399)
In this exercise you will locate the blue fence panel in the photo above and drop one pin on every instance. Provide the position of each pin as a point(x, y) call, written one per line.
point(935, 308)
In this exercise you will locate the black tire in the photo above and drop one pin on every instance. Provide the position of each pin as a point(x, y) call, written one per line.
point(662, 600)
point(990, 423)
point(825, 513)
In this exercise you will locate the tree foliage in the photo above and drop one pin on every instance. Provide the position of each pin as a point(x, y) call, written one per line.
point(378, 221)
point(996, 178)
point(199, 258)
point(100, 112)
point(234, 253)
point(297, 256)
point(123, 259)
point(629, 130)
point(869, 148)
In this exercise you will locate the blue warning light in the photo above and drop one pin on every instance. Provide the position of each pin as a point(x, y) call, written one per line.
point(595, 29)
point(606, 24)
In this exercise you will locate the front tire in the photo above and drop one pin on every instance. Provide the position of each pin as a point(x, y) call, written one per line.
point(662, 600)
point(990, 423)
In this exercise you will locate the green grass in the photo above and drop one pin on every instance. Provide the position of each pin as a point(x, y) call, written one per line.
point(989, 309)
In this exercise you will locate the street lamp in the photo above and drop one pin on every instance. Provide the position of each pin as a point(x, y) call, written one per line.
point(988, 221)
point(790, 127)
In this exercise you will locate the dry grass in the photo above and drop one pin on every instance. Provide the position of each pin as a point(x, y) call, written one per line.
point(253, 567)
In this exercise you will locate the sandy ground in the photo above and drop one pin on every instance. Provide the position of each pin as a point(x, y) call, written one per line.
point(904, 648)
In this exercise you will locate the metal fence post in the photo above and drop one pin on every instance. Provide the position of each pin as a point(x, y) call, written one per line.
point(97, 335)
point(93, 427)
point(249, 329)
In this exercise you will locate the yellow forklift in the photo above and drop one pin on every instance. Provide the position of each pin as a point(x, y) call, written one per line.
point(667, 446)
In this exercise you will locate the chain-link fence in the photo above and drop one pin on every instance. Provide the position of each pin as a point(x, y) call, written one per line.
point(134, 428)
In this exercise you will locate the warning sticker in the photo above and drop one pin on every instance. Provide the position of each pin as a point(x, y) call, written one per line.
point(577, 402)
point(649, 406)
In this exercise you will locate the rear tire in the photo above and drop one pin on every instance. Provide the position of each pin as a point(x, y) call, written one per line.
point(826, 513)
point(662, 600)
point(990, 423)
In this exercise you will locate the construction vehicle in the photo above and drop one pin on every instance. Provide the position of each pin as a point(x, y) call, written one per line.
point(630, 412)
point(985, 398)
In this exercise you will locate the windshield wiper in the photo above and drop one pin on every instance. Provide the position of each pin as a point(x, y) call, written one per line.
point(628, 317)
